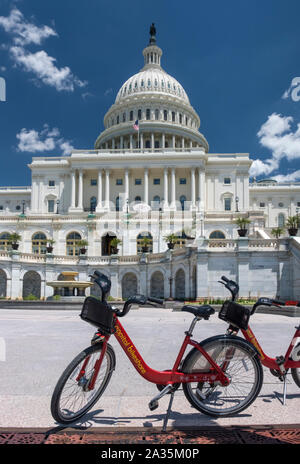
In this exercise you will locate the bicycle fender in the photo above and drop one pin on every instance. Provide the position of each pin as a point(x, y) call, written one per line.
point(220, 337)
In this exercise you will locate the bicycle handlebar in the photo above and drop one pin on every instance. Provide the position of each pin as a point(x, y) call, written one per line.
point(136, 299)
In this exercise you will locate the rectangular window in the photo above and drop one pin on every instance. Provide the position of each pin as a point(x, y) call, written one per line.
point(51, 183)
point(182, 181)
point(50, 206)
point(227, 180)
point(119, 182)
point(227, 204)
point(262, 204)
point(156, 181)
point(138, 182)
point(93, 181)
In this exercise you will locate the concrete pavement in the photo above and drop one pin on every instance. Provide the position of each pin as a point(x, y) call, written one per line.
point(39, 345)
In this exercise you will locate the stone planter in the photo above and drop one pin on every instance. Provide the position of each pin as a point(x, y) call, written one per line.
point(15, 246)
point(171, 246)
point(293, 232)
point(242, 232)
point(114, 250)
point(145, 249)
point(82, 251)
point(49, 250)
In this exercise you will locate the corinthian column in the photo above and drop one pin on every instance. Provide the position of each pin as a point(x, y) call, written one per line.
point(99, 202)
point(80, 190)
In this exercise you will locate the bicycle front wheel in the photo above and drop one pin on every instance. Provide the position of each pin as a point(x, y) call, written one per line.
point(241, 365)
point(72, 398)
point(295, 371)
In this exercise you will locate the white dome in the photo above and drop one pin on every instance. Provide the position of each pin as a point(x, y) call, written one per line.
point(152, 80)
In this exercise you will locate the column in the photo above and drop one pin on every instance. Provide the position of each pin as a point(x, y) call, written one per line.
point(182, 142)
point(113, 144)
point(146, 186)
point(201, 189)
point(80, 190)
point(99, 202)
point(163, 140)
point(107, 172)
point(166, 193)
point(193, 188)
point(141, 141)
point(173, 189)
point(173, 141)
point(126, 199)
point(121, 142)
point(73, 189)
point(152, 141)
point(130, 145)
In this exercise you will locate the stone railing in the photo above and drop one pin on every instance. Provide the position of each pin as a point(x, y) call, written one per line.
point(222, 243)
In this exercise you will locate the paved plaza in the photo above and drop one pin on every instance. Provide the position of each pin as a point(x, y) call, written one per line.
point(40, 343)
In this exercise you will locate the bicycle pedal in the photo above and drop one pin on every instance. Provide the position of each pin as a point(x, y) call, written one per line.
point(153, 405)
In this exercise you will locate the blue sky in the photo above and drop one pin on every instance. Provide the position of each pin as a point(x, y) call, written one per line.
point(64, 62)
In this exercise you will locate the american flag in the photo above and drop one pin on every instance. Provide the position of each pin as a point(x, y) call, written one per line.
point(136, 125)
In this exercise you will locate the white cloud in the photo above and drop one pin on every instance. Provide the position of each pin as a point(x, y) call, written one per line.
point(39, 63)
point(24, 32)
point(277, 135)
point(294, 176)
point(43, 67)
point(46, 140)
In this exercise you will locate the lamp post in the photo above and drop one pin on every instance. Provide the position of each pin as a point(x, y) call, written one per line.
point(57, 206)
point(236, 204)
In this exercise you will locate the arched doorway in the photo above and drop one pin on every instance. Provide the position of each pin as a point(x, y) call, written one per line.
point(105, 243)
point(31, 284)
point(157, 285)
point(3, 284)
point(129, 285)
point(180, 285)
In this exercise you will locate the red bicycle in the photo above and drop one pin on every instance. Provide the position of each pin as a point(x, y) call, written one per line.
point(220, 376)
point(280, 365)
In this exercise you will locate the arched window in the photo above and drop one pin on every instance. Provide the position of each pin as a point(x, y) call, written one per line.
point(124, 117)
point(144, 239)
point(39, 243)
point(131, 115)
point(173, 116)
point(147, 113)
point(281, 220)
point(148, 144)
point(156, 114)
point(138, 199)
point(93, 203)
point(139, 114)
point(156, 202)
point(4, 241)
point(217, 234)
point(165, 115)
point(182, 199)
point(72, 244)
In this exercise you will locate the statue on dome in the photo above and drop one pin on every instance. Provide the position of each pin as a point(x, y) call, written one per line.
point(152, 34)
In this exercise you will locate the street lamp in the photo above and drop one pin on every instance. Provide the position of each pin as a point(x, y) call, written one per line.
point(237, 204)
point(57, 206)
point(23, 207)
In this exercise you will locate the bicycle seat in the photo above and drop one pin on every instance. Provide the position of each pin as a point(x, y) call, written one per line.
point(204, 311)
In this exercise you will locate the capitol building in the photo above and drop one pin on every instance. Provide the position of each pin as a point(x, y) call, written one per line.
point(150, 175)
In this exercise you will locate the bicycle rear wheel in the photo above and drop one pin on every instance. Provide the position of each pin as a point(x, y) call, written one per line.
point(71, 398)
point(241, 365)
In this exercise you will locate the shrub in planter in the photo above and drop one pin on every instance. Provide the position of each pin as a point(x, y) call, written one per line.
point(292, 225)
point(82, 246)
point(114, 245)
point(242, 223)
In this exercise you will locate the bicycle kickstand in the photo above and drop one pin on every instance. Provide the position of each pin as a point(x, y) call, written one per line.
point(164, 429)
point(154, 403)
point(284, 390)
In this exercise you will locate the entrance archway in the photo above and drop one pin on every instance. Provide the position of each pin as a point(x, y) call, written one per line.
point(180, 284)
point(129, 285)
point(105, 243)
point(32, 284)
point(157, 285)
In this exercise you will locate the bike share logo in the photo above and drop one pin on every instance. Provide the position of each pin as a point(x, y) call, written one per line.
point(2, 89)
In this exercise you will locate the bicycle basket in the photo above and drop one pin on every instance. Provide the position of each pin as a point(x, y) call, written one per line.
point(235, 314)
point(99, 314)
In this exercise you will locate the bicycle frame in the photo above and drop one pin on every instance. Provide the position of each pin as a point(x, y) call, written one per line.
point(269, 362)
point(160, 377)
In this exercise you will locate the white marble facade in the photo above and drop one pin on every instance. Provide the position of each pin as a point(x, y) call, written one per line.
point(158, 180)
